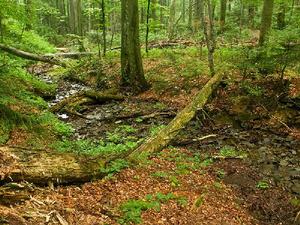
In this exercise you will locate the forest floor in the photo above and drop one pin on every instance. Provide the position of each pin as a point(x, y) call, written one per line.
point(246, 172)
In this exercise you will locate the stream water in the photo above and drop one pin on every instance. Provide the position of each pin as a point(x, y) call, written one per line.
point(277, 156)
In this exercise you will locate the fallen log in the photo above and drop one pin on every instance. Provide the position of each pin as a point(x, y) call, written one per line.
point(44, 167)
point(167, 134)
point(31, 56)
point(71, 55)
point(84, 97)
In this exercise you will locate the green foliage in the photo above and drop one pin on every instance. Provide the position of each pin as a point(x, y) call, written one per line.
point(230, 151)
point(155, 129)
point(199, 201)
point(262, 185)
point(132, 209)
point(115, 167)
point(251, 89)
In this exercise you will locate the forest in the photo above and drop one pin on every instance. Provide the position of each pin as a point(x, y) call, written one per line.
point(150, 112)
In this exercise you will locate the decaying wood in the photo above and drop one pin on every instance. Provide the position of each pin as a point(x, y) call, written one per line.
point(191, 141)
point(173, 43)
point(71, 55)
point(31, 56)
point(165, 135)
point(41, 167)
point(85, 97)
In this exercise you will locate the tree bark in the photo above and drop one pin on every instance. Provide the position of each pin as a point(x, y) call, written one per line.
point(171, 25)
point(41, 167)
point(147, 24)
point(197, 16)
point(281, 17)
point(30, 56)
point(266, 20)
point(222, 14)
point(131, 59)
point(208, 30)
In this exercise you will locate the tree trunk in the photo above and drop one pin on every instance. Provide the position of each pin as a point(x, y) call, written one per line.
point(147, 24)
point(266, 20)
point(222, 15)
point(197, 15)
point(131, 59)
point(103, 23)
point(75, 17)
point(251, 15)
point(183, 11)
point(190, 19)
point(168, 133)
point(281, 17)
point(29, 15)
point(153, 10)
point(171, 26)
point(208, 30)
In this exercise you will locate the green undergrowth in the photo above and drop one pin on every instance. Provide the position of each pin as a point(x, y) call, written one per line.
point(116, 142)
point(132, 209)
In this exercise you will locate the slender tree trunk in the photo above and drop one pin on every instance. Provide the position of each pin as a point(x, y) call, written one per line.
point(266, 20)
point(153, 10)
point(147, 29)
point(190, 19)
point(103, 22)
point(251, 15)
point(131, 59)
point(172, 15)
point(29, 14)
point(208, 30)
point(183, 11)
point(222, 15)
point(281, 17)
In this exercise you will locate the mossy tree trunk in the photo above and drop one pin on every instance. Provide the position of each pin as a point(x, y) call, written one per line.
point(171, 25)
point(266, 20)
point(131, 59)
point(223, 7)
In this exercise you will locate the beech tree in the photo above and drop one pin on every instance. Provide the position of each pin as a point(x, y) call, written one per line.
point(131, 59)
point(266, 20)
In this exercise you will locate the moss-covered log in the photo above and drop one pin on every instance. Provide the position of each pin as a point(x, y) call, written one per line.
point(168, 133)
point(42, 167)
point(85, 97)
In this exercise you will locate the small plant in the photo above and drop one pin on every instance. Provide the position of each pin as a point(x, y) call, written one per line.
point(199, 201)
point(262, 185)
point(221, 174)
point(160, 174)
point(229, 151)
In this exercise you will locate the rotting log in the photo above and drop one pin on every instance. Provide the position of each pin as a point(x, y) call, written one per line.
point(71, 55)
point(44, 167)
point(31, 56)
point(85, 97)
point(167, 134)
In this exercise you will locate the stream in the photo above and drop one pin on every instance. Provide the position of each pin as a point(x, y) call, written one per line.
point(276, 156)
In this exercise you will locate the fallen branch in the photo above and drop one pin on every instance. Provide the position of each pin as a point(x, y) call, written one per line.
point(31, 56)
point(191, 141)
